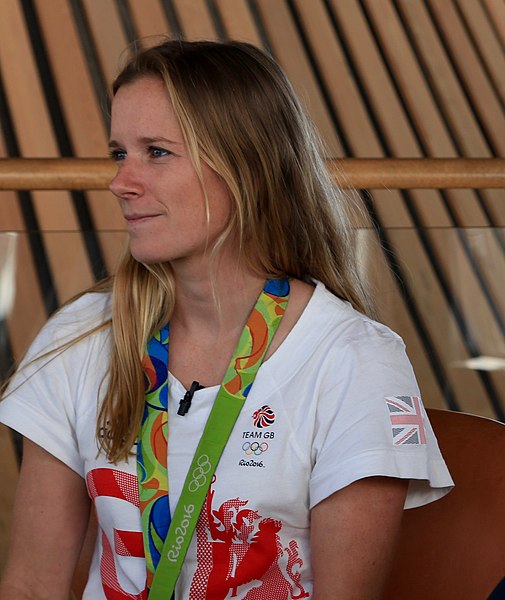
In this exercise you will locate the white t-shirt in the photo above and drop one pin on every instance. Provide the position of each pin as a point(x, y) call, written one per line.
point(335, 403)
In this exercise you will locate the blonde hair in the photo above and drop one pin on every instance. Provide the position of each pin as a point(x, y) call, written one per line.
point(239, 114)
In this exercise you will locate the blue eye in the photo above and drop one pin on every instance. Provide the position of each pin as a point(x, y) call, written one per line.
point(156, 152)
point(117, 155)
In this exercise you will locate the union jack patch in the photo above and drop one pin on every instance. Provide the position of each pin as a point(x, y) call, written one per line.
point(407, 425)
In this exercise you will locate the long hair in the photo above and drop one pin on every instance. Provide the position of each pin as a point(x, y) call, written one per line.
point(239, 114)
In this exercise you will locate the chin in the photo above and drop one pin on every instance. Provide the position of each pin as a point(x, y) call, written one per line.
point(147, 257)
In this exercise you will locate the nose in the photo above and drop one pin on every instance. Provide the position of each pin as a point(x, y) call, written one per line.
point(126, 183)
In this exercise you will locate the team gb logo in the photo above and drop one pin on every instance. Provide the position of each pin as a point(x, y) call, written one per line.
point(263, 417)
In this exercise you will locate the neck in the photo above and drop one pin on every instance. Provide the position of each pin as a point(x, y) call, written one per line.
point(216, 303)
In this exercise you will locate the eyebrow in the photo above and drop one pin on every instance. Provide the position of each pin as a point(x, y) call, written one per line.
point(147, 140)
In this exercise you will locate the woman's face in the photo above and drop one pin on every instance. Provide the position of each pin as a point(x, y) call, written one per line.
point(156, 184)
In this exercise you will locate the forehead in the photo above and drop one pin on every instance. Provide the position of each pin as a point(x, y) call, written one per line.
point(143, 102)
point(145, 86)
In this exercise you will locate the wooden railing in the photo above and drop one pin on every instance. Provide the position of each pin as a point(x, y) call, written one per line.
point(362, 173)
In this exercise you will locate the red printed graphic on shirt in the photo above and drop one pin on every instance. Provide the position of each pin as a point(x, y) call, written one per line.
point(237, 546)
point(118, 485)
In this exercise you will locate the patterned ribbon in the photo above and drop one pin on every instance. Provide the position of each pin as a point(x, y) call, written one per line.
point(152, 446)
point(152, 451)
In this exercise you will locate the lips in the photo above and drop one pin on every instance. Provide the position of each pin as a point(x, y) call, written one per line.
point(138, 218)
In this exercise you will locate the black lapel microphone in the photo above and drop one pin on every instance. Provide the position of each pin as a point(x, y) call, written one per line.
point(185, 403)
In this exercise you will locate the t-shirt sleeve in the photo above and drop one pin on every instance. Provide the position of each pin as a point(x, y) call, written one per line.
point(371, 422)
point(42, 400)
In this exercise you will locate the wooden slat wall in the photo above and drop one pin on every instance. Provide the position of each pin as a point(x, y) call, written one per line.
point(380, 78)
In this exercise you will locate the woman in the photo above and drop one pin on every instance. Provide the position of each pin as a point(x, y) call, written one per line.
point(224, 194)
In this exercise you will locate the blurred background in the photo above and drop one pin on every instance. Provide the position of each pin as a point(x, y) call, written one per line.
point(380, 78)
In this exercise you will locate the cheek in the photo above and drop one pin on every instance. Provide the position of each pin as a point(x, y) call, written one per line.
point(220, 202)
point(184, 198)
point(213, 182)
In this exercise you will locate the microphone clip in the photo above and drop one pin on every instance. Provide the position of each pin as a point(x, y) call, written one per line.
point(185, 403)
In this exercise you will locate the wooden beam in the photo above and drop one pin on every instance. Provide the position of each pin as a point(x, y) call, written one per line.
point(358, 173)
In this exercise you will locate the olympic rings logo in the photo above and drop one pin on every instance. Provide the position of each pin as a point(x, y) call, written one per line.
point(199, 475)
point(254, 448)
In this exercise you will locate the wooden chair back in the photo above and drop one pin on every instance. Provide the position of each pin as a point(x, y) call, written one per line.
point(455, 547)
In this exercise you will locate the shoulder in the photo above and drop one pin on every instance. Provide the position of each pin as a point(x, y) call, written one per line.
point(331, 344)
point(92, 308)
point(73, 343)
point(333, 323)
point(74, 320)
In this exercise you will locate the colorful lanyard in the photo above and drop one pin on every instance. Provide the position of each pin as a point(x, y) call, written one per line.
point(166, 542)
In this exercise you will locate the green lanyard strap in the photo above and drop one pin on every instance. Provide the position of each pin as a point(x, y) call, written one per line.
point(247, 358)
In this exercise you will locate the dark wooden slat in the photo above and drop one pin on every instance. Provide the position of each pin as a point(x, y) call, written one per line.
point(455, 109)
point(149, 20)
point(108, 36)
point(487, 42)
point(195, 20)
point(36, 138)
point(11, 218)
point(409, 78)
point(82, 117)
point(440, 321)
point(404, 68)
point(469, 130)
point(9, 470)
point(354, 120)
point(290, 53)
point(238, 21)
point(451, 97)
point(393, 310)
point(391, 120)
point(470, 70)
point(427, 120)
point(497, 15)
point(28, 312)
